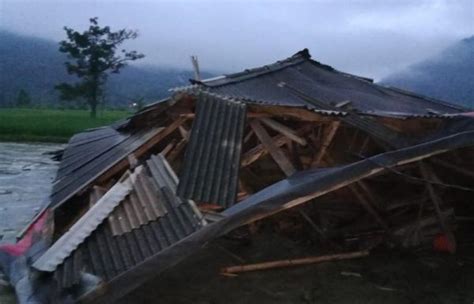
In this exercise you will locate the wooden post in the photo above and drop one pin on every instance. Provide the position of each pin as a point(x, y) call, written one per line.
point(327, 142)
point(428, 174)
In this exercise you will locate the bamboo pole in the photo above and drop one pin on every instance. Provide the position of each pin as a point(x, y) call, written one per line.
point(294, 262)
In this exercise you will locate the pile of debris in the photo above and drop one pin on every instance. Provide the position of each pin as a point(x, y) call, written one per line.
point(288, 143)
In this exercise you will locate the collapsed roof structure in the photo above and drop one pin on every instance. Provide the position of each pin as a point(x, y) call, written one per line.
point(137, 197)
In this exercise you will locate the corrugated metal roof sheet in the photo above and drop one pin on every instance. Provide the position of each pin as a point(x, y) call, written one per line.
point(158, 220)
point(269, 85)
point(91, 153)
point(211, 164)
point(69, 241)
point(106, 254)
point(152, 197)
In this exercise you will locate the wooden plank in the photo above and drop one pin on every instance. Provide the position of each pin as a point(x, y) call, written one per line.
point(177, 150)
point(304, 199)
point(294, 262)
point(364, 145)
point(276, 153)
point(123, 164)
point(184, 133)
point(370, 194)
point(333, 127)
point(248, 136)
point(169, 147)
point(453, 167)
point(368, 206)
point(428, 174)
point(284, 130)
point(255, 153)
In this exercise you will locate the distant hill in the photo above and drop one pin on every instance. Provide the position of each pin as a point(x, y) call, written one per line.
point(35, 65)
point(448, 76)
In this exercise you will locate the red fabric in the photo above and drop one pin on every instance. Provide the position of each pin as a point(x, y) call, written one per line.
point(443, 243)
point(25, 243)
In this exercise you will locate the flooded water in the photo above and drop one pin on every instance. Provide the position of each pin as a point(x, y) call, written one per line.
point(26, 175)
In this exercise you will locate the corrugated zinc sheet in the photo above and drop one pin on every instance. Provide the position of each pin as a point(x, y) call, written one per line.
point(269, 85)
point(107, 254)
point(212, 159)
point(69, 241)
point(152, 197)
point(91, 153)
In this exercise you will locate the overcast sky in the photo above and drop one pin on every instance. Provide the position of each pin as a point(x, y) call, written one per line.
point(368, 37)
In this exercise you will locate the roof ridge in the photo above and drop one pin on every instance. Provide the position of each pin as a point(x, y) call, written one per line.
point(296, 58)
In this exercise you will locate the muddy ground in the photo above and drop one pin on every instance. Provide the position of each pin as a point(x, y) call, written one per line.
point(26, 175)
point(387, 276)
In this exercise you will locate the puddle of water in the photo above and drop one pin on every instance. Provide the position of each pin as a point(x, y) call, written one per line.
point(26, 176)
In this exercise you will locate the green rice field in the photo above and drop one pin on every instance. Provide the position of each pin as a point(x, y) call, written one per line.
point(50, 125)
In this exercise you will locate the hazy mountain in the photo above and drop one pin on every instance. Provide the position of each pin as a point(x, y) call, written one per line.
point(35, 65)
point(448, 76)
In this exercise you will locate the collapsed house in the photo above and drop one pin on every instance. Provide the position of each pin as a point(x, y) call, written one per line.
point(294, 139)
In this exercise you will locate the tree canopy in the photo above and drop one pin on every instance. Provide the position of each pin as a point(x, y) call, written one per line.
point(94, 54)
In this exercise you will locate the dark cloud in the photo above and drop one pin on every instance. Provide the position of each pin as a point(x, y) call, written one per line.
point(370, 37)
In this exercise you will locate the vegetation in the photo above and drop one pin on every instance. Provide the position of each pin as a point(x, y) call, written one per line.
point(23, 99)
point(44, 64)
point(94, 55)
point(50, 125)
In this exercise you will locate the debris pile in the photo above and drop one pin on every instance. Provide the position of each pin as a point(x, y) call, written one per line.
point(298, 145)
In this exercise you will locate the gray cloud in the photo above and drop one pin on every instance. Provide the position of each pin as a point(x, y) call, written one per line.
point(371, 38)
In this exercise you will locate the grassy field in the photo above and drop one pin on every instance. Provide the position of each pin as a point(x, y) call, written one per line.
point(50, 125)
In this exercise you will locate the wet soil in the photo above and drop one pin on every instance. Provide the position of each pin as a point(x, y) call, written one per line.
point(26, 175)
point(386, 276)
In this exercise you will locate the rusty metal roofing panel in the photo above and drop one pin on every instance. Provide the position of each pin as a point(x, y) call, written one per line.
point(212, 158)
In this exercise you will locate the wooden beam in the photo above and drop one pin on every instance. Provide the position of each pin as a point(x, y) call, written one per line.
point(276, 153)
point(289, 112)
point(370, 194)
point(123, 164)
point(281, 128)
point(368, 206)
point(169, 147)
point(255, 153)
point(428, 174)
point(453, 167)
point(294, 262)
point(248, 136)
point(364, 145)
point(184, 133)
point(327, 142)
point(303, 199)
point(177, 150)
point(258, 151)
